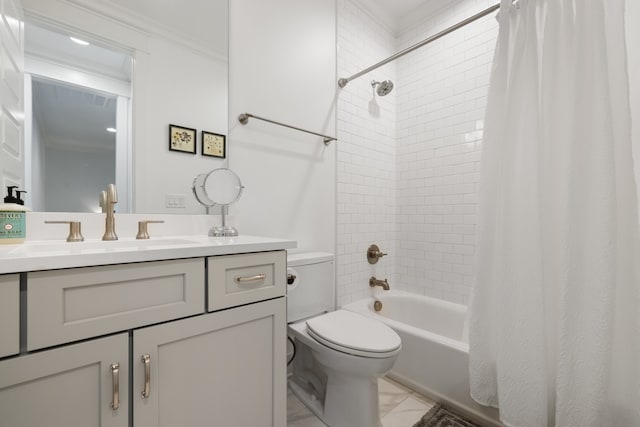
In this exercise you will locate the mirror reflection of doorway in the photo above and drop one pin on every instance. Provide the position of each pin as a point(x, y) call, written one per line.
point(73, 135)
point(77, 115)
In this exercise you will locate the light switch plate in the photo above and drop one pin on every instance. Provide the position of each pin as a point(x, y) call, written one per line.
point(174, 201)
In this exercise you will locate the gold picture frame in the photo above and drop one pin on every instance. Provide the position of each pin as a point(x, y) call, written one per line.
point(214, 145)
point(182, 139)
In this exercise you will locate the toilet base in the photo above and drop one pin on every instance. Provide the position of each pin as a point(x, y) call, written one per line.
point(361, 409)
point(352, 403)
point(309, 399)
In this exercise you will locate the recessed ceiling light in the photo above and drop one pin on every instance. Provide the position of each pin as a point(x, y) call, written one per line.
point(112, 130)
point(79, 41)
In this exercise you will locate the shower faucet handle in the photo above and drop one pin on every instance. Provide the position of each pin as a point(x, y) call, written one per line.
point(374, 254)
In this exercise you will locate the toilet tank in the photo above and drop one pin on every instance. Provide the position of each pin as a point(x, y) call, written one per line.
point(313, 290)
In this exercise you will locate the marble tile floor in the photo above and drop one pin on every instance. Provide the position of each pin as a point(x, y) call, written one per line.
point(399, 407)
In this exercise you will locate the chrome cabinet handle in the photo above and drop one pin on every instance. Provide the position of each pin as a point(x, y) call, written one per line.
point(115, 380)
point(247, 279)
point(146, 359)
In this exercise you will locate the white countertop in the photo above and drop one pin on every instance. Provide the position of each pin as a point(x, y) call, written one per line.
point(36, 255)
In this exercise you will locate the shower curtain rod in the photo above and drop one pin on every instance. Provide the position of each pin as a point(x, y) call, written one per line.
point(342, 82)
point(244, 119)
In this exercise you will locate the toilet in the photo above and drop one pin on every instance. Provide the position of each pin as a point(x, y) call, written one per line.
point(339, 355)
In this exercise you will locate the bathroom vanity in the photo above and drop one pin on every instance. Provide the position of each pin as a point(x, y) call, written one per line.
point(172, 331)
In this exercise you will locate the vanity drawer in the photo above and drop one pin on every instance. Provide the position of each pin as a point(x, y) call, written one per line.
point(10, 312)
point(242, 279)
point(67, 305)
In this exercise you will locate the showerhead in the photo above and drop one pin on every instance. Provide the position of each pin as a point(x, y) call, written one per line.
point(384, 88)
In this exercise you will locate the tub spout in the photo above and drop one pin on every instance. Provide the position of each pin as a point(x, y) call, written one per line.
point(375, 282)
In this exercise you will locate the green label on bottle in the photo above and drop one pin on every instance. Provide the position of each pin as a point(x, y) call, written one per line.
point(12, 225)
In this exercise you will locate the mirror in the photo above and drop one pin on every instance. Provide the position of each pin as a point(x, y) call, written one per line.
point(222, 186)
point(219, 187)
point(177, 52)
point(77, 106)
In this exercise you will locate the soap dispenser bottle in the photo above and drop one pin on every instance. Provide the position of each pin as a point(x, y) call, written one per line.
point(13, 225)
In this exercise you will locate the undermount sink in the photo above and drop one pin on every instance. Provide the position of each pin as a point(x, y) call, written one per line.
point(98, 246)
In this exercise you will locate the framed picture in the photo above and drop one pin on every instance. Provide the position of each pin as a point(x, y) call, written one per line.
point(182, 139)
point(214, 144)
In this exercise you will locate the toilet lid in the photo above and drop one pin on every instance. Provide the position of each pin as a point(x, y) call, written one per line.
point(354, 333)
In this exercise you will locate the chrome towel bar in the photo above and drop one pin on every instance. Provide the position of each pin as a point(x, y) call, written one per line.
point(244, 119)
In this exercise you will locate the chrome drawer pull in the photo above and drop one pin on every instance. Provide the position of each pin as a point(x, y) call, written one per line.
point(146, 359)
point(257, 277)
point(115, 380)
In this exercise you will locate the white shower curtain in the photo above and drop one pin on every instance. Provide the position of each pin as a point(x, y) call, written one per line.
point(553, 317)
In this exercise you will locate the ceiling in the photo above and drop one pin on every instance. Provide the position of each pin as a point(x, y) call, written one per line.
point(394, 8)
point(56, 106)
point(55, 47)
point(398, 15)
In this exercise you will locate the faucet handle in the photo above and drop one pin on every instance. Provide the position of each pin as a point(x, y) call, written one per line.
point(75, 230)
point(374, 254)
point(142, 228)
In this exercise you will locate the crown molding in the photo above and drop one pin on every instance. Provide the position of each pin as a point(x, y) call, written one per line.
point(132, 21)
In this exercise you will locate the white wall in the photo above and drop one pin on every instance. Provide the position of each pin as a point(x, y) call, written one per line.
point(283, 67)
point(199, 101)
point(407, 179)
point(366, 175)
point(442, 91)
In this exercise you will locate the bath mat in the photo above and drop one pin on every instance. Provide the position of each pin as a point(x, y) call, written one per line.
point(441, 416)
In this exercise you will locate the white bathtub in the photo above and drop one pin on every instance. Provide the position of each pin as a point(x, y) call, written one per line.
point(434, 359)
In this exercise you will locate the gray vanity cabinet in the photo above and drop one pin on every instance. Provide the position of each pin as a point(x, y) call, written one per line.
point(104, 345)
point(223, 369)
point(73, 385)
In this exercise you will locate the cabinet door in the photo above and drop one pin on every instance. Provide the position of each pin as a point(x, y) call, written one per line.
point(9, 314)
point(67, 386)
point(224, 369)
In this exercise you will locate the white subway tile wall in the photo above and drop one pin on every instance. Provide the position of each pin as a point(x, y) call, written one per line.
point(366, 163)
point(408, 172)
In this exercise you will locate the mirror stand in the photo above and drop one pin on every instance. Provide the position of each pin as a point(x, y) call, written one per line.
point(224, 229)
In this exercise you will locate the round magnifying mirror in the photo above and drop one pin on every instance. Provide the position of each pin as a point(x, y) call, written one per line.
point(222, 186)
point(198, 191)
point(218, 187)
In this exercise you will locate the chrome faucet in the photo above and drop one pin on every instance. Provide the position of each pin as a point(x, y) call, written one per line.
point(375, 282)
point(110, 199)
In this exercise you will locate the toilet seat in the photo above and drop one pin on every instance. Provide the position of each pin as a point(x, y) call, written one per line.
point(352, 333)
